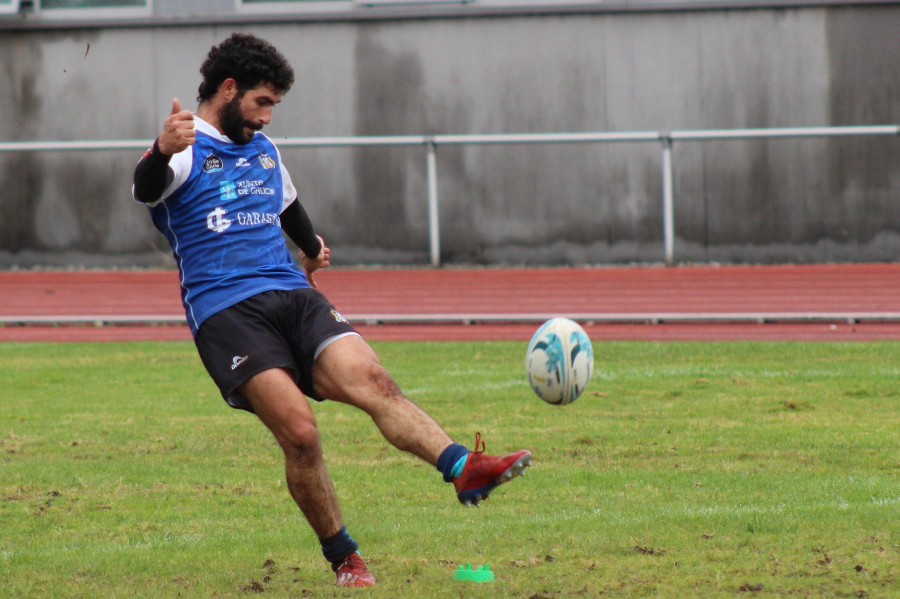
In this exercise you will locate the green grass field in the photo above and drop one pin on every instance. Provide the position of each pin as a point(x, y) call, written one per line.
point(686, 470)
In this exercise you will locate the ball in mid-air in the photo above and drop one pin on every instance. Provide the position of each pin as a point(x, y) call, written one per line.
point(559, 361)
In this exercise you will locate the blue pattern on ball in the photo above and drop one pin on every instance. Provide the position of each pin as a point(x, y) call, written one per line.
point(581, 343)
point(555, 358)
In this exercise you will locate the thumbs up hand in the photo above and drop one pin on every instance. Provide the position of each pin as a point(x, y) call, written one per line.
point(178, 130)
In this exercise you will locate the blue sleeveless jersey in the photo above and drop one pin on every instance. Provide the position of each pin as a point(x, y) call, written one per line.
point(222, 220)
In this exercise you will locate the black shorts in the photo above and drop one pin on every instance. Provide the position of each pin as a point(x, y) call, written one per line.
point(274, 329)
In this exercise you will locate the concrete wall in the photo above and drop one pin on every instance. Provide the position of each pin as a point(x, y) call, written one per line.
point(745, 201)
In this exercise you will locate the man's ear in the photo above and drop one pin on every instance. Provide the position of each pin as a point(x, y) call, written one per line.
point(229, 89)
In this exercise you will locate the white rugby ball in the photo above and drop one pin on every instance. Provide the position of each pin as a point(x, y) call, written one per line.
point(559, 361)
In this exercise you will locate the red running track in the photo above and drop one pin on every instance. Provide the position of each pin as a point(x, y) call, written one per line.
point(809, 302)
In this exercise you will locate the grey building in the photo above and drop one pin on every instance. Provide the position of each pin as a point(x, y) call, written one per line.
point(108, 69)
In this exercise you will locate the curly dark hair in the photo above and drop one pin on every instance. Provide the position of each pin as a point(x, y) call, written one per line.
point(247, 59)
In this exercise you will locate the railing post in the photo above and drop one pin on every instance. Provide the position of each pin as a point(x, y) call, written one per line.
point(668, 199)
point(434, 224)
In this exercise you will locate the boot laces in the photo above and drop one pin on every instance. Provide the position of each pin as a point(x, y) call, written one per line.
point(478, 441)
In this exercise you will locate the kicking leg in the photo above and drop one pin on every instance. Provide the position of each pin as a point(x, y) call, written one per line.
point(349, 371)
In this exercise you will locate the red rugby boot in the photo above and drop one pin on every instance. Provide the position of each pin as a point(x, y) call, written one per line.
point(352, 572)
point(483, 473)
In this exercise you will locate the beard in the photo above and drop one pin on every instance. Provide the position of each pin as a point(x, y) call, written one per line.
point(233, 123)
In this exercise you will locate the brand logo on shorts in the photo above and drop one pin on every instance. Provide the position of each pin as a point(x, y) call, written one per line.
point(238, 360)
point(337, 316)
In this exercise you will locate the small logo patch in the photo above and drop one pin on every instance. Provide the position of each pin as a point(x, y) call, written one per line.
point(212, 164)
point(337, 316)
point(238, 360)
point(227, 190)
point(266, 161)
point(242, 162)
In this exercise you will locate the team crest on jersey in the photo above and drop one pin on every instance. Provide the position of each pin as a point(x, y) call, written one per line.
point(212, 164)
point(216, 221)
point(337, 316)
point(266, 161)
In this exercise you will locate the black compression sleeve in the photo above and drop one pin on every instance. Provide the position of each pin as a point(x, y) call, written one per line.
point(152, 175)
point(295, 222)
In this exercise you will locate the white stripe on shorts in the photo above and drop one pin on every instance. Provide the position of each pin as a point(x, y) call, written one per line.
point(331, 340)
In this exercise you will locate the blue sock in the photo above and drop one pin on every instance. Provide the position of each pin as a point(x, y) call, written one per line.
point(452, 461)
point(458, 466)
point(336, 547)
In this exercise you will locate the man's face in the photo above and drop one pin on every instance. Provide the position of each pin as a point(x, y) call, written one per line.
point(248, 112)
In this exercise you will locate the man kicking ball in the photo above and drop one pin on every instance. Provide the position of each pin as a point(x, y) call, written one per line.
point(217, 189)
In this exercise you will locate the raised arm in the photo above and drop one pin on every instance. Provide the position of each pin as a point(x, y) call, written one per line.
point(152, 174)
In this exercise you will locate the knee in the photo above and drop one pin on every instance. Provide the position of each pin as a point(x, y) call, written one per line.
point(382, 381)
point(300, 439)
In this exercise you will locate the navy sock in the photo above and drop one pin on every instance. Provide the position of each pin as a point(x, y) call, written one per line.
point(449, 458)
point(336, 547)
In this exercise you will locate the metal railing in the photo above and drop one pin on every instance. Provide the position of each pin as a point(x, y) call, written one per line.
point(431, 143)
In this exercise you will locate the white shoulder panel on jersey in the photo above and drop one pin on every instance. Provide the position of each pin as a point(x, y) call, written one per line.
point(180, 164)
point(290, 192)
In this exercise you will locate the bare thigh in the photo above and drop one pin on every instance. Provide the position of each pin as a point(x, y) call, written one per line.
point(349, 371)
point(282, 407)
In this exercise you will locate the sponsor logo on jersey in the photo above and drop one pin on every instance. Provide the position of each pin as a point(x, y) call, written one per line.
point(242, 162)
point(216, 220)
point(254, 187)
point(238, 360)
point(337, 316)
point(227, 190)
point(212, 164)
point(266, 161)
point(258, 218)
